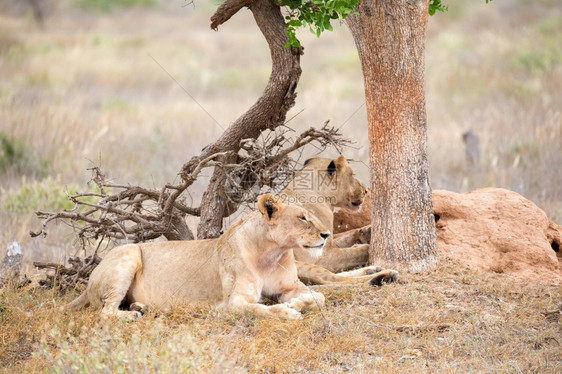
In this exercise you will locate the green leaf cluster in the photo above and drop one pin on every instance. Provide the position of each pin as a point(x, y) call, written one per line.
point(436, 5)
point(314, 14)
point(318, 14)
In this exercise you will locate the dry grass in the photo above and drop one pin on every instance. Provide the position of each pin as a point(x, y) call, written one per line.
point(89, 88)
point(451, 320)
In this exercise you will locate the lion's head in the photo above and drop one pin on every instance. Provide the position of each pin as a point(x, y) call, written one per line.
point(292, 225)
point(335, 181)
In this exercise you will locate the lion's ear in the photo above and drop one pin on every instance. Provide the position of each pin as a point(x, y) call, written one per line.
point(269, 206)
point(341, 162)
point(337, 164)
point(331, 168)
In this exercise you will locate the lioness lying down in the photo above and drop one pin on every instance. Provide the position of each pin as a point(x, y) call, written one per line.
point(254, 258)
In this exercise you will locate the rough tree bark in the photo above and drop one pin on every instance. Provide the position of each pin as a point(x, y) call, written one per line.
point(390, 39)
point(267, 113)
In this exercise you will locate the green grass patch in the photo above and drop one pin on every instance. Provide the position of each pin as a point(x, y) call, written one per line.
point(12, 151)
point(48, 194)
point(541, 50)
point(116, 104)
point(232, 78)
point(8, 44)
point(16, 155)
point(110, 5)
point(550, 27)
point(535, 62)
point(40, 78)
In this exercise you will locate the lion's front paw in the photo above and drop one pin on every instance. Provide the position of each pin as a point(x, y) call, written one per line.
point(365, 234)
point(139, 307)
point(133, 315)
point(385, 276)
point(313, 301)
point(283, 311)
point(125, 315)
point(372, 270)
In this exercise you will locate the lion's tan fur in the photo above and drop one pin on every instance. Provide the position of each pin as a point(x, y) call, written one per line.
point(254, 258)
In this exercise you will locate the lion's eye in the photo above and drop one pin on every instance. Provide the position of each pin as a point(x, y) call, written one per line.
point(303, 218)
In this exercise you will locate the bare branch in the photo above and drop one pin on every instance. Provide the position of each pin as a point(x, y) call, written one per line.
point(325, 136)
point(266, 161)
point(268, 113)
point(227, 10)
point(133, 213)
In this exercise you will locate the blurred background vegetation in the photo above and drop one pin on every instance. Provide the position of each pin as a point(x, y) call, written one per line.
point(91, 84)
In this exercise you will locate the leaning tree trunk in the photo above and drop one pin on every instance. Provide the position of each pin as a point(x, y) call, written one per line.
point(390, 39)
point(267, 113)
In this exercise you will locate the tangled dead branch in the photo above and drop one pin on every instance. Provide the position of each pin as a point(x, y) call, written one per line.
point(131, 214)
point(265, 162)
point(68, 277)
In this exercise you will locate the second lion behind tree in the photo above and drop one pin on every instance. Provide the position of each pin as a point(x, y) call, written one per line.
point(320, 186)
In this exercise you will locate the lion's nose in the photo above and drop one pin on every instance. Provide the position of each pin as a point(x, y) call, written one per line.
point(325, 235)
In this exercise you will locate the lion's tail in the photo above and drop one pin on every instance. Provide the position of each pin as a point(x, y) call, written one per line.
point(80, 302)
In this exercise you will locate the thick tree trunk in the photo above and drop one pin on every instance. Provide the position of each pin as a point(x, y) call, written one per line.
point(390, 39)
point(214, 206)
point(267, 113)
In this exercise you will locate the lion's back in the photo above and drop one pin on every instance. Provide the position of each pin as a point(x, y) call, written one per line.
point(177, 272)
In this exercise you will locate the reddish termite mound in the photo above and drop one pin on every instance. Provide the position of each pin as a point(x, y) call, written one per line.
point(491, 228)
